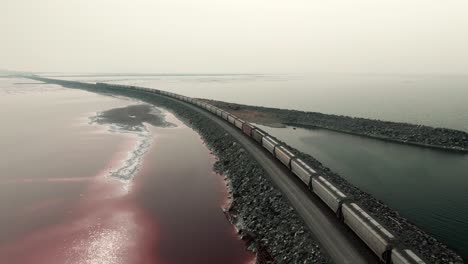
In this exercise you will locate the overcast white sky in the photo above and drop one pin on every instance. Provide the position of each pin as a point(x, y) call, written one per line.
point(261, 36)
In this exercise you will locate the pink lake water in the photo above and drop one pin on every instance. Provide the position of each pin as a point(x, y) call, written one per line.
point(76, 192)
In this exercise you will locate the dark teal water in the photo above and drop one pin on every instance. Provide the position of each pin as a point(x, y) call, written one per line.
point(429, 187)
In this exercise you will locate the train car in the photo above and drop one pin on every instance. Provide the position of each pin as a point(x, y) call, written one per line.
point(219, 112)
point(329, 194)
point(284, 155)
point(247, 129)
point(258, 134)
point(270, 144)
point(225, 115)
point(405, 256)
point(375, 236)
point(303, 171)
point(213, 109)
point(239, 123)
point(232, 119)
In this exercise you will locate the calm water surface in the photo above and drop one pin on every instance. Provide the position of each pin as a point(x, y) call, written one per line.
point(73, 192)
point(429, 187)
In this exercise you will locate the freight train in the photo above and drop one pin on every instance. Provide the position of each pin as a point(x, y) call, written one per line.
point(381, 241)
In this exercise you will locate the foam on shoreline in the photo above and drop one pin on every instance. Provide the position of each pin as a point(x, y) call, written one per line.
point(115, 123)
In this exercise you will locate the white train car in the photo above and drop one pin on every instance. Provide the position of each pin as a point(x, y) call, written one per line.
point(374, 235)
point(303, 171)
point(329, 194)
point(214, 109)
point(284, 155)
point(225, 115)
point(270, 144)
point(232, 119)
point(219, 112)
point(239, 123)
point(257, 135)
point(203, 105)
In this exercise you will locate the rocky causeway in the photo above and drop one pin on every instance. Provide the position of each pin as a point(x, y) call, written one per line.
point(424, 136)
point(261, 211)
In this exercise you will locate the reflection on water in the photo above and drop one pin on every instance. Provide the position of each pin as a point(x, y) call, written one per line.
point(426, 186)
point(60, 203)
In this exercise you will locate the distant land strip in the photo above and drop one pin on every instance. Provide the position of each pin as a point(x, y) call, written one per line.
point(403, 133)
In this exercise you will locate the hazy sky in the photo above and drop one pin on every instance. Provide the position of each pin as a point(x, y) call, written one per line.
point(262, 36)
